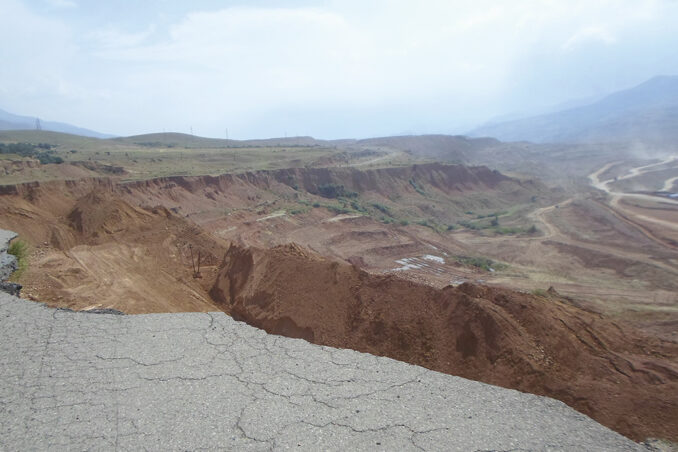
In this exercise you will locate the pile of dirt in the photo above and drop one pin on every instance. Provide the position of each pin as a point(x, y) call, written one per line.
point(542, 345)
point(99, 213)
point(91, 249)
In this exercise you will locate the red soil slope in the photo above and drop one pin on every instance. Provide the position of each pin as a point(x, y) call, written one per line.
point(541, 345)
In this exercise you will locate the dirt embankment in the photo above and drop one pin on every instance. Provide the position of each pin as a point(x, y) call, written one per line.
point(448, 179)
point(536, 344)
point(127, 245)
point(237, 190)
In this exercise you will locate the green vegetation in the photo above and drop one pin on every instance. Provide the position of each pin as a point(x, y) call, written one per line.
point(299, 211)
point(382, 208)
point(507, 230)
point(335, 191)
point(428, 224)
point(292, 182)
point(355, 205)
point(42, 151)
point(417, 187)
point(19, 249)
point(489, 215)
point(481, 262)
point(154, 144)
point(540, 292)
point(473, 226)
point(432, 224)
point(157, 155)
point(493, 226)
point(338, 209)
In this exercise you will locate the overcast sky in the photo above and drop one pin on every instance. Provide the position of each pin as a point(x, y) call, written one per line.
point(330, 69)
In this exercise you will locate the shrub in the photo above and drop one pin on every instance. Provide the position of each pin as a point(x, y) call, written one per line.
point(339, 210)
point(45, 158)
point(355, 205)
point(417, 188)
point(382, 208)
point(19, 249)
point(29, 150)
point(480, 262)
point(335, 191)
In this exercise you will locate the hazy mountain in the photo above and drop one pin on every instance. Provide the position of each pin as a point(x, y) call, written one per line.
point(9, 121)
point(647, 112)
point(449, 148)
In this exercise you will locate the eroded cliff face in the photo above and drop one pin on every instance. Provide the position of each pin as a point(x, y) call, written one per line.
point(97, 239)
point(426, 190)
point(455, 187)
point(447, 178)
point(535, 344)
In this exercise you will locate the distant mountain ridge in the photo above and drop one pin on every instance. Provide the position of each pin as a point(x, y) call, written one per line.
point(646, 113)
point(10, 121)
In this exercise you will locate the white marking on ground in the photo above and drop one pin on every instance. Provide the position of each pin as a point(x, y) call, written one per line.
point(426, 262)
point(431, 257)
point(226, 231)
point(279, 213)
point(408, 263)
point(344, 216)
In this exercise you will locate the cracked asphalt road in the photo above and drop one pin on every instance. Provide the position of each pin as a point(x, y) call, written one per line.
point(196, 381)
point(204, 381)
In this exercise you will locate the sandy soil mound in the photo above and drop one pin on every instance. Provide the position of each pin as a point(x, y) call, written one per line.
point(99, 213)
point(536, 344)
point(93, 250)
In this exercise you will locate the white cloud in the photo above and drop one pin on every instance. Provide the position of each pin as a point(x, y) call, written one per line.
point(113, 38)
point(62, 4)
point(589, 34)
point(436, 62)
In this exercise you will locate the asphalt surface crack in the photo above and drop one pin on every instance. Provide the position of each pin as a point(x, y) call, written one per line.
point(205, 382)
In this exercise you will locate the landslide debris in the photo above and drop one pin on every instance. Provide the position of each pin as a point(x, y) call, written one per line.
point(541, 345)
point(95, 251)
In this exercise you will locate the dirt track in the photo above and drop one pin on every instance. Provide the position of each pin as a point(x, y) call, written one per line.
point(553, 233)
point(634, 172)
